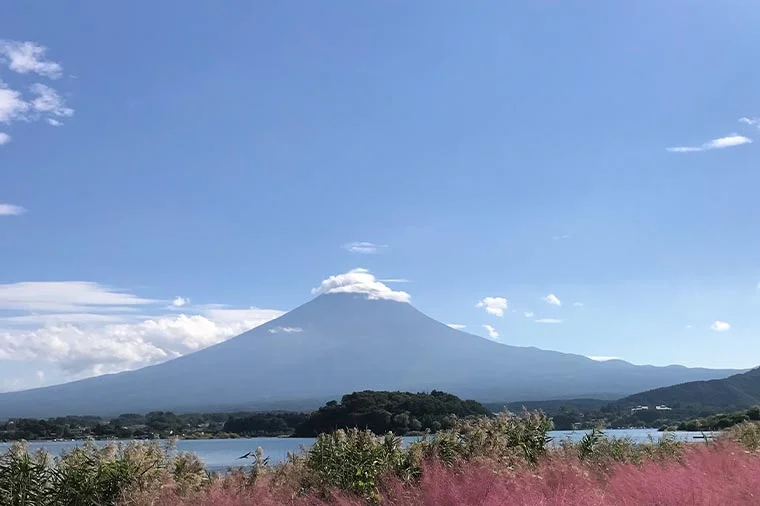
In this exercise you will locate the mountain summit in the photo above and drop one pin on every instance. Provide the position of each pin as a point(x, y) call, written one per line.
point(339, 343)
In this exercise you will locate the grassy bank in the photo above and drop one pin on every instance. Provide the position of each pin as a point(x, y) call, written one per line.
point(487, 461)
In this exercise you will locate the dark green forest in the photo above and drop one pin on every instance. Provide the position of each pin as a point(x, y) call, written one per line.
point(721, 421)
point(399, 412)
point(402, 413)
point(151, 425)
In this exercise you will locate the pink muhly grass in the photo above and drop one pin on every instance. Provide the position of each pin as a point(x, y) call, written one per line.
point(718, 475)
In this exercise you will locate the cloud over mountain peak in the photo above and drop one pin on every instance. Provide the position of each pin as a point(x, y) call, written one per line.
point(360, 281)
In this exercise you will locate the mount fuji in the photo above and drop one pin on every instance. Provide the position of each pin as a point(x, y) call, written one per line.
point(339, 343)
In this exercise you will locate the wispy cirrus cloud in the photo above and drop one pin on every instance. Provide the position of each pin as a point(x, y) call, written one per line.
point(548, 320)
point(728, 141)
point(494, 305)
point(365, 248)
point(287, 330)
point(11, 210)
point(749, 121)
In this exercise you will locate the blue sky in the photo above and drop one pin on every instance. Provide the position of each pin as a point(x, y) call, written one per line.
point(227, 154)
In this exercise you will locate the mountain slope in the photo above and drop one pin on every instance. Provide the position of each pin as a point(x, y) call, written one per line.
point(737, 391)
point(341, 343)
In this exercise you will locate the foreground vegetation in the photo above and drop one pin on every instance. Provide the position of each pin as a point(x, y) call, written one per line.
point(486, 461)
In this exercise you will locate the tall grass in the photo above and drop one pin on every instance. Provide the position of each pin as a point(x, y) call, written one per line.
point(491, 461)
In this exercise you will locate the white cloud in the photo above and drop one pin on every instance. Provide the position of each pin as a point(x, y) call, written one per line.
point(492, 333)
point(65, 296)
point(12, 105)
point(529, 314)
point(548, 320)
point(719, 326)
point(601, 358)
point(180, 301)
point(11, 210)
point(561, 237)
point(749, 121)
point(28, 57)
point(4, 138)
point(457, 326)
point(689, 326)
point(287, 330)
point(44, 103)
point(48, 101)
point(552, 299)
point(360, 281)
point(85, 328)
point(395, 280)
point(52, 319)
point(364, 247)
point(494, 305)
point(720, 143)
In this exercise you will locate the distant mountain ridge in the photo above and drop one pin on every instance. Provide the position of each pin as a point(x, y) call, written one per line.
point(737, 391)
point(339, 343)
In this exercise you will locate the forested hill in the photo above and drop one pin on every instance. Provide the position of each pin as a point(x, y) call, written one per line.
point(735, 392)
point(399, 412)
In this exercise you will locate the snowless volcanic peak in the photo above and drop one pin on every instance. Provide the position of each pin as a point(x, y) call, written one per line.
point(360, 281)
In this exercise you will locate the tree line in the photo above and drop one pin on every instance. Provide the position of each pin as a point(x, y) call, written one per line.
point(399, 412)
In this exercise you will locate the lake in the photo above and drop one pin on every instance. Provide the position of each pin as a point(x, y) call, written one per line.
point(221, 454)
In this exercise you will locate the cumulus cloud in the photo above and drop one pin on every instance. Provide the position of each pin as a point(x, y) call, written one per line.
point(12, 104)
point(28, 57)
point(492, 332)
point(48, 101)
point(180, 301)
point(360, 281)
point(548, 320)
point(529, 314)
point(494, 305)
point(457, 326)
point(719, 326)
point(4, 138)
point(11, 210)
point(719, 143)
point(85, 328)
point(38, 102)
point(602, 358)
point(552, 299)
point(364, 247)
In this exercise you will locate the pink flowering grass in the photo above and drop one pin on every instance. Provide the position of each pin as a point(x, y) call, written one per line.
point(721, 474)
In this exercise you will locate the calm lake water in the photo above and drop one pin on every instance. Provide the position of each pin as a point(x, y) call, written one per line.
point(221, 454)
